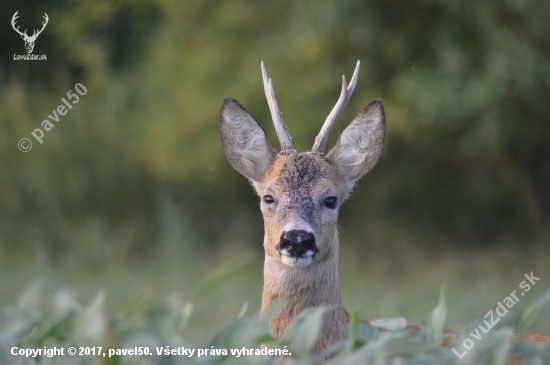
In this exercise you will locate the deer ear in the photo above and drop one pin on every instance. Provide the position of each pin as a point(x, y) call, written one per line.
point(244, 142)
point(360, 145)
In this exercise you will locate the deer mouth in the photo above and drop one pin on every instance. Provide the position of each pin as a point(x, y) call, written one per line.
point(297, 261)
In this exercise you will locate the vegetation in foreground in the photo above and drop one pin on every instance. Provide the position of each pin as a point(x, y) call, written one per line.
point(65, 323)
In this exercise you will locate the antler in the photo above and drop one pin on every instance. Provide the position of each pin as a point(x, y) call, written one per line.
point(35, 34)
point(321, 139)
point(13, 19)
point(276, 114)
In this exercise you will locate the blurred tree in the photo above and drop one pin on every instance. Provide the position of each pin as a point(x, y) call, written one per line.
point(466, 86)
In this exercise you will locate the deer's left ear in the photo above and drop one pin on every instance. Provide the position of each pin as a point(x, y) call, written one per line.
point(361, 144)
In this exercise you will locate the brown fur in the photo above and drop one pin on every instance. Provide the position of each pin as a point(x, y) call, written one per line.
point(299, 181)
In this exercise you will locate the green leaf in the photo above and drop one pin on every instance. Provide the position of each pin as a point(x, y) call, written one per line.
point(530, 315)
point(91, 323)
point(503, 344)
point(30, 301)
point(336, 348)
point(354, 320)
point(392, 324)
point(243, 310)
point(432, 329)
point(226, 337)
point(366, 332)
point(168, 320)
point(305, 329)
point(182, 316)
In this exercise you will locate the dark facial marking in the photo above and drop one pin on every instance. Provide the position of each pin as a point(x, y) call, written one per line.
point(299, 174)
point(300, 171)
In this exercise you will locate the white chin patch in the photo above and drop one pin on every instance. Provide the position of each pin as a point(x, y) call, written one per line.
point(302, 261)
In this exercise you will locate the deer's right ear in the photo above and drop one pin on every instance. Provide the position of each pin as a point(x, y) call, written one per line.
point(244, 142)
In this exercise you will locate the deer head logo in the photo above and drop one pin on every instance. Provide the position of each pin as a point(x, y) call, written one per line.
point(29, 41)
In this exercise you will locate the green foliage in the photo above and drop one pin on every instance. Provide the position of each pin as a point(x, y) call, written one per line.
point(65, 322)
point(532, 313)
point(432, 328)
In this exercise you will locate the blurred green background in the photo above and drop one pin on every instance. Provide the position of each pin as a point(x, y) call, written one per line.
point(131, 191)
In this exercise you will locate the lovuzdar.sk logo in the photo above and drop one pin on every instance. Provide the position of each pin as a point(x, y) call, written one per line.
point(29, 40)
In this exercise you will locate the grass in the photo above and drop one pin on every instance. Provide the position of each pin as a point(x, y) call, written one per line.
point(405, 284)
point(41, 319)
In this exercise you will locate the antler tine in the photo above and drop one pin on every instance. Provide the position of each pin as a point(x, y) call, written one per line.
point(43, 24)
point(322, 137)
point(280, 127)
point(13, 19)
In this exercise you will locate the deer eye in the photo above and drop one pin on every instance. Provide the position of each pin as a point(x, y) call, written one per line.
point(268, 199)
point(330, 202)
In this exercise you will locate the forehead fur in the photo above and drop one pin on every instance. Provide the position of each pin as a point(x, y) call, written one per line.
point(297, 171)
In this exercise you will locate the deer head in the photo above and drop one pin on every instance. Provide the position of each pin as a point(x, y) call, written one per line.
point(301, 194)
point(29, 41)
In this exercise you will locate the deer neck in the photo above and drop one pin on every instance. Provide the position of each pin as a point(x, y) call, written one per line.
point(289, 290)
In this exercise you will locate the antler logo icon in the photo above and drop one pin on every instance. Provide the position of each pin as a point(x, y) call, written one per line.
point(29, 41)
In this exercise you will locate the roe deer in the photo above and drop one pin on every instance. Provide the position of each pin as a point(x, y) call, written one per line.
point(301, 194)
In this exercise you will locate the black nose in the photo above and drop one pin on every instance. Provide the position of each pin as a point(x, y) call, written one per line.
point(297, 243)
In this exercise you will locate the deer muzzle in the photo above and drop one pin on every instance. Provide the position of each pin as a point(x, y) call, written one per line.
point(297, 248)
